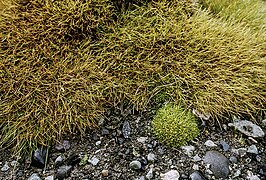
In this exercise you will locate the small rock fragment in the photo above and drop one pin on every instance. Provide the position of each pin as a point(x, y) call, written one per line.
point(253, 149)
point(150, 174)
point(233, 159)
point(248, 128)
point(126, 130)
point(188, 150)
point(63, 172)
point(135, 165)
point(94, 161)
point(5, 167)
point(142, 139)
point(98, 143)
point(105, 173)
point(170, 175)
point(196, 175)
point(151, 157)
point(224, 145)
point(14, 163)
point(210, 143)
point(196, 158)
point(219, 164)
point(63, 146)
point(240, 151)
point(38, 158)
point(58, 161)
point(34, 176)
point(49, 177)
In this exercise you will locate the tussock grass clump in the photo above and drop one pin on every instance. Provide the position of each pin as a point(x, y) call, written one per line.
point(250, 13)
point(174, 126)
point(213, 66)
point(43, 93)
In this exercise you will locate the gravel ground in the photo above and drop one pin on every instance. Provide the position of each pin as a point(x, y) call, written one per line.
point(125, 148)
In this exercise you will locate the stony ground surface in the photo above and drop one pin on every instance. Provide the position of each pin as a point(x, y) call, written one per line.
point(125, 148)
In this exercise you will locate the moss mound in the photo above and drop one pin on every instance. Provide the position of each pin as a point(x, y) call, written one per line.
point(63, 61)
point(175, 126)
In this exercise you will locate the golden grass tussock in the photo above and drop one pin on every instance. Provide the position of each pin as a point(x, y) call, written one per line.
point(63, 61)
point(250, 13)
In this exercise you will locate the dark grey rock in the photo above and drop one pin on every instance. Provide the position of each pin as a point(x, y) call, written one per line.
point(196, 176)
point(253, 149)
point(39, 157)
point(248, 128)
point(126, 130)
point(34, 176)
point(5, 167)
point(135, 165)
point(63, 172)
point(105, 131)
point(219, 164)
point(63, 146)
point(224, 145)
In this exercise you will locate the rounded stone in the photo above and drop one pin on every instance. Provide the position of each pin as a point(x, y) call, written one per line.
point(219, 164)
point(34, 176)
point(135, 165)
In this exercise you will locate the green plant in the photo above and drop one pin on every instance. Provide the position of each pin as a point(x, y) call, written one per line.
point(175, 126)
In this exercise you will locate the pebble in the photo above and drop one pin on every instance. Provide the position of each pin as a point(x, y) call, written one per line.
point(126, 130)
point(5, 167)
point(105, 172)
point(237, 173)
point(59, 161)
point(233, 159)
point(195, 167)
point(219, 164)
point(63, 146)
point(240, 151)
point(34, 176)
point(94, 161)
point(142, 139)
point(210, 143)
point(49, 177)
point(188, 150)
point(224, 145)
point(63, 172)
point(264, 122)
point(150, 174)
point(98, 143)
point(253, 149)
point(170, 175)
point(151, 157)
point(14, 163)
point(196, 176)
point(196, 158)
point(248, 128)
point(135, 165)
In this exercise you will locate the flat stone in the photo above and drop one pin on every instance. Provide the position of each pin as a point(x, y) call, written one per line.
point(135, 165)
point(253, 149)
point(210, 143)
point(38, 158)
point(63, 172)
point(196, 176)
point(142, 139)
point(219, 164)
point(34, 176)
point(5, 167)
point(170, 175)
point(248, 128)
point(196, 158)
